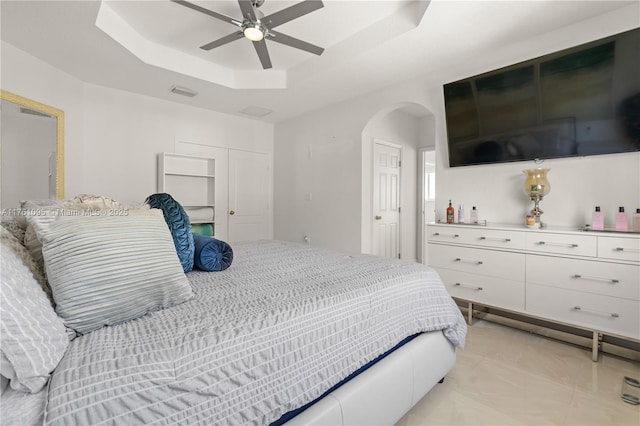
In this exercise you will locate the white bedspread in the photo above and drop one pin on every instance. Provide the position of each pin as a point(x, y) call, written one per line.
point(274, 331)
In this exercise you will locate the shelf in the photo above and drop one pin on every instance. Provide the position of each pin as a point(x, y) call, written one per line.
point(587, 228)
point(188, 165)
point(189, 175)
point(191, 182)
point(481, 223)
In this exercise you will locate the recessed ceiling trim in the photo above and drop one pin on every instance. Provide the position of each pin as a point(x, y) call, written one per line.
point(164, 57)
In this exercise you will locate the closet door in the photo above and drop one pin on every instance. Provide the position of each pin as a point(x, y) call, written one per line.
point(249, 196)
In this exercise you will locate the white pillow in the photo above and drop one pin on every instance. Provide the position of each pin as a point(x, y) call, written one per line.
point(107, 269)
point(32, 336)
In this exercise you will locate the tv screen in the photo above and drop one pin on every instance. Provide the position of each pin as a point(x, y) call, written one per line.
point(580, 101)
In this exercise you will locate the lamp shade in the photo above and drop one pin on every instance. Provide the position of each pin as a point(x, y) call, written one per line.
point(536, 183)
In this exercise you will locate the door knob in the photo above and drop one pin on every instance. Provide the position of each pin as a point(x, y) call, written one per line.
point(378, 217)
point(231, 213)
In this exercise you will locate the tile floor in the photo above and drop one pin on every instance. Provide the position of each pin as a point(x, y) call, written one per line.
point(506, 376)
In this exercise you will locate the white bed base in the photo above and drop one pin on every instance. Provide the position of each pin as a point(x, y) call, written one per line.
point(382, 394)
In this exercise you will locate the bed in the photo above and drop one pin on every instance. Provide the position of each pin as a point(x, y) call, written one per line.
point(289, 334)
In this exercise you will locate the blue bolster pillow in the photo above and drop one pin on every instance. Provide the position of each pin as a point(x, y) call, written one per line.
point(211, 254)
point(179, 225)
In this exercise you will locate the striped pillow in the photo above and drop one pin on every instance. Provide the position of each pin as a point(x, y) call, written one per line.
point(32, 336)
point(105, 270)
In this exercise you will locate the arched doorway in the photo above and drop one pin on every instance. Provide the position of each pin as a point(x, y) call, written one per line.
point(409, 126)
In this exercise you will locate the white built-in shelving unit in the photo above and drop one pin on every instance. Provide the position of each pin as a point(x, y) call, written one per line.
point(190, 180)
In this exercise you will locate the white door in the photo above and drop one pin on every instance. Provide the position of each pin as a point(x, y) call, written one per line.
point(386, 200)
point(249, 195)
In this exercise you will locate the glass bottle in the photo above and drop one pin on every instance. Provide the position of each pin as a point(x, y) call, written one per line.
point(450, 213)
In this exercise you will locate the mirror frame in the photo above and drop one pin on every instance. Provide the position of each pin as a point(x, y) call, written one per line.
point(59, 115)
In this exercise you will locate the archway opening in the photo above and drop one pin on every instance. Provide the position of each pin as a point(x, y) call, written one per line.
point(410, 126)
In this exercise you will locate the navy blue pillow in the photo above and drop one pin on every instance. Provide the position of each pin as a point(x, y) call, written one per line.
point(179, 225)
point(212, 254)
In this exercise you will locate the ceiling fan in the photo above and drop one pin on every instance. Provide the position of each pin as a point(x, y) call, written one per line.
point(256, 27)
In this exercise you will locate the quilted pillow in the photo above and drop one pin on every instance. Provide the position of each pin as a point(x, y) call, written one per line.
point(31, 242)
point(179, 225)
point(16, 224)
point(211, 254)
point(89, 201)
point(105, 270)
point(11, 241)
point(32, 336)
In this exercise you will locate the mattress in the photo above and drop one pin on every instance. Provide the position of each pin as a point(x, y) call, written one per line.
point(276, 330)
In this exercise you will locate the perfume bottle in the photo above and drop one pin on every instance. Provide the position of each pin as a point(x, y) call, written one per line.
point(597, 220)
point(635, 221)
point(622, 221)
point(461, 214)
point(450, 213)
point(473, 215)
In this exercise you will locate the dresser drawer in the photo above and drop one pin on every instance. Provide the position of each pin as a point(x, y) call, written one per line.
point(571, 244)
point(495, 238)
point(479, 261)
point(498, 292)
point(445, 234)
point(619, 248)
point(609, 279)
point(477, 236)
point(591, 311)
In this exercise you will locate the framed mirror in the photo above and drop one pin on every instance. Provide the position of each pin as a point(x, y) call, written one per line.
point(32, 142)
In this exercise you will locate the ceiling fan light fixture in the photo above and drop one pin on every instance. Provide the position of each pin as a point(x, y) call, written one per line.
point(254, 32)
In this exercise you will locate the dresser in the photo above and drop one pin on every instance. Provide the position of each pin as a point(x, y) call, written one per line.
point(588, 280)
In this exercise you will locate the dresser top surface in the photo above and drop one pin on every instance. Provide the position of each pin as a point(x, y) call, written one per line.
point(547, 229)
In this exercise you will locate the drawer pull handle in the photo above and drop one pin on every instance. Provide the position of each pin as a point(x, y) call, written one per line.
point(503, 240)
point(446, 235)
point(609, 314)
point(472, 287)
point(627, 249)
point(586, 277)
point(570, 245)
point(477, 262)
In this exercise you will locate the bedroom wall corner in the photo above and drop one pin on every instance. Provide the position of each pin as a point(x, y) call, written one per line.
point(30, 77)
point(112, 137)
point(333, 217)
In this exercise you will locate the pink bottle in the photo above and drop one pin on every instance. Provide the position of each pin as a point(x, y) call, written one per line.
point(622, 220)
point(597, 220)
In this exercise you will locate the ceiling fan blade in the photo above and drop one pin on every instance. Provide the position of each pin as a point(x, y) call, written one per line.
point(263, 53)
point(292, 12)
point(246, 6)
point(222, 41)
point(208, 12)
point(294, 42)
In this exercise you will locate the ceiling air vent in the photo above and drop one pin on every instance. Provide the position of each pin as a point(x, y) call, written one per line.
point(183, 91)
point(34, 112)
point(256, 111)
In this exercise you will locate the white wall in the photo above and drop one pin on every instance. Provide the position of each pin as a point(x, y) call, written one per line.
point(112, 137)
point(334, 216)
point(321, 153)
point(32, 78)
point(124, 132)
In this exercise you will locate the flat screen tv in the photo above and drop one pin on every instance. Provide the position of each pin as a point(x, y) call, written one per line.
point(576, 102)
